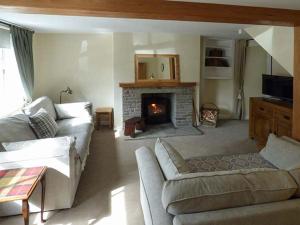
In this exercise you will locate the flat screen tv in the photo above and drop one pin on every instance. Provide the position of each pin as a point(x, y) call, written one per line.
point(280, 87)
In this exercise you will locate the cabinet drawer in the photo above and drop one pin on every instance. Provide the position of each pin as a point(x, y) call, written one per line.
point(263, 109)
point(284, 116)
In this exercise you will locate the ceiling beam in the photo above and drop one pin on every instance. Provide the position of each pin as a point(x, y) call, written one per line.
point(157, 9)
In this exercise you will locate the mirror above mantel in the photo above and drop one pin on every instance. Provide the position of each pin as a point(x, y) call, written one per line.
point(156, 68)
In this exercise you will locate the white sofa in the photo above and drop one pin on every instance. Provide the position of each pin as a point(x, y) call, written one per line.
point(265, 190)
point(64, 155)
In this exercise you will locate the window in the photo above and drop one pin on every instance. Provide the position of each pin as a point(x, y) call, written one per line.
point(12, 95)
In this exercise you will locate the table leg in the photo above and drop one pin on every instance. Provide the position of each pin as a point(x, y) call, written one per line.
point(110, 120)
point(97, 121)
point(25, 211)
point(43, 182)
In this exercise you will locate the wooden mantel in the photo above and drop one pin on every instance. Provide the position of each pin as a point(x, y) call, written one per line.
point(159, 84)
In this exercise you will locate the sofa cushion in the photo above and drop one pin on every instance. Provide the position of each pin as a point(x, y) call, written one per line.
point(198, 192)
point(42, 102)
point(282, 153)
point(43, 124)
point(73, 110)
point(285, 152)
point(81, 129)
point(170, 160)
point(15, 128)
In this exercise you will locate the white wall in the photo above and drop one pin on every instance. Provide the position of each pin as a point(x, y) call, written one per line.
point(256, 65)
point(221, 93)
point(93, 65)
point(277, 41)
point(82, 61)
point(126, 45)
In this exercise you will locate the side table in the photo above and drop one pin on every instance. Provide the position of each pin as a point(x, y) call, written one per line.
point(104, 111)
point(19, 184)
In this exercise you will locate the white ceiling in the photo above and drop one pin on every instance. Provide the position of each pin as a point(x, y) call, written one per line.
point(77, 24)
point(283, 4)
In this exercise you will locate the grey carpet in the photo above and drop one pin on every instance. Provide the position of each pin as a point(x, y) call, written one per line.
point(108, 193)
point(164, 131)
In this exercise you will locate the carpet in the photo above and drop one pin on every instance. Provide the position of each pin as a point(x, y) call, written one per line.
point(108, 191)
point(164, 131)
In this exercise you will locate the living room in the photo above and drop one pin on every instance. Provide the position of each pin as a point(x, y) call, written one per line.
point(92, 67)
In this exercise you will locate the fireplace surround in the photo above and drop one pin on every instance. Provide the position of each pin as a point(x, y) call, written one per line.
point(180, 106)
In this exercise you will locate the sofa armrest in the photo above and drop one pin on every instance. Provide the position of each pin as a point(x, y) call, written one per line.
point(73, 110)
point(37, 149)
point(151, 184)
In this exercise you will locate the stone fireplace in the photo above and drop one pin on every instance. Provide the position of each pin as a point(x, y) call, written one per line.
point(159, 105)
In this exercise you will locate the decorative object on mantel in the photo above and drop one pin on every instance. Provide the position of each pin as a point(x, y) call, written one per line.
point(209, 114)
point(68, 91)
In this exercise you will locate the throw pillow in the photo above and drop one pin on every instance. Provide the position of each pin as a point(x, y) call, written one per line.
point(43, 124)
point(73, 110)
point(171, 162)
point(281, 152)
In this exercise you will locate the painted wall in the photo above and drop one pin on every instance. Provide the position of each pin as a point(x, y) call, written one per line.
point(277, 41)
point(222, 94)
point(126, 45)
point(256, 65)
point(82, 61)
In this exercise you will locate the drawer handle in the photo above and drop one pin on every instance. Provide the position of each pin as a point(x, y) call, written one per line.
point(261, 108)
point(287, 117)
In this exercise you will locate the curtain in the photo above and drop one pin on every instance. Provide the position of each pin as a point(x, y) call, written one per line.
point(22, 43)
point(4, 38)
point(241, 63)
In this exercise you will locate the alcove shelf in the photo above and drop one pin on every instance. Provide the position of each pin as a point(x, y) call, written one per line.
point(218, 57)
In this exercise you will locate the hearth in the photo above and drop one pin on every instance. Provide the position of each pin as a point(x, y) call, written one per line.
point(156, 108)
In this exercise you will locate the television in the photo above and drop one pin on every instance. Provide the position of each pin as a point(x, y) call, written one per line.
point(280, 87)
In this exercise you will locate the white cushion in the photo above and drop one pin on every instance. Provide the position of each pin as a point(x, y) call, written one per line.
point(15, 128)
point(171, 162)
point(285, 152)
point(282, 153)
point(73, 110)
point(42, 102)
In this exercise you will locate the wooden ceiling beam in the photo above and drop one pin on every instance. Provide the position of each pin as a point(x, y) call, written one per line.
point(157, 9)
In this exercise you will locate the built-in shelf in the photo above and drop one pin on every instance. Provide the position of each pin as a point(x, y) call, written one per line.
point(158, 84)
point(219, 58)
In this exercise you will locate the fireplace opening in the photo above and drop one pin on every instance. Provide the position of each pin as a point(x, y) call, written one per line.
point(156, 108)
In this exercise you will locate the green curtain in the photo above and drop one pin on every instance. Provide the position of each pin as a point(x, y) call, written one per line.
point(22, 43)
point(241, 63)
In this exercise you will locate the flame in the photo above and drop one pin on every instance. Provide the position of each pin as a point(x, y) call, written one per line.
point(156, 109)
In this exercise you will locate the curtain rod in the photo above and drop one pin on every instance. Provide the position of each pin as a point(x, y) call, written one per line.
point(4, 22)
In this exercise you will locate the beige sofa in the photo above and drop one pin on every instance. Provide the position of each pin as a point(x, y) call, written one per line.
point(264, 191)
point(65, 155)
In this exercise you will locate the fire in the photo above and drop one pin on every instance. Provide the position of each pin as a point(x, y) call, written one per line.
point(156, 109)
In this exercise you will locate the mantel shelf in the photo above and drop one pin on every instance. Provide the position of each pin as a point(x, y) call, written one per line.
point(158, 84)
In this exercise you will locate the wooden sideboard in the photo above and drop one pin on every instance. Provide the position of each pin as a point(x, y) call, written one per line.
point(269, 116)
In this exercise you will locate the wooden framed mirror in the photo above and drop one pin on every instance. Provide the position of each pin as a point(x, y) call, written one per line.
point(157, 67)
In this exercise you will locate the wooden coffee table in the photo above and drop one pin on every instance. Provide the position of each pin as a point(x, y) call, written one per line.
point(19, 184)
